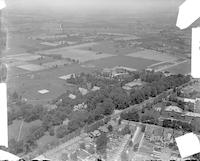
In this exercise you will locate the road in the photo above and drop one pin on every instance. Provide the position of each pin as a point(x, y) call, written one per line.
point(20, 130)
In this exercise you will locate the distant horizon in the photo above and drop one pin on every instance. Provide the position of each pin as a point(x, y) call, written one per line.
point(90, 6)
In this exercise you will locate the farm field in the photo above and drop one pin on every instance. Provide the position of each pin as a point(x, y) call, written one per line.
point(136, 63)
point(13, 129)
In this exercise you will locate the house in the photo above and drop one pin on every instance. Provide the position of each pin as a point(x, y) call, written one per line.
point(95, 88)
point(43, 91)
point(103, 129)
point(189, 100)
point(83, 91)
point(72, 96)
point(96, 133)
point(167, 73)
point(135, 83)
point(66, 77)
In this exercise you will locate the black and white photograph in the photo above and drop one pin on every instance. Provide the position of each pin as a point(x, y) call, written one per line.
point(99, 80)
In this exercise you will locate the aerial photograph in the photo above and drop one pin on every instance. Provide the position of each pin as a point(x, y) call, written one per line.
point(97, 80)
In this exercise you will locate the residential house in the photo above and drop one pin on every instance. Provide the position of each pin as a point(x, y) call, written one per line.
point(134, 84)
point(72, 96)
point(95, 88)
point(83, 91)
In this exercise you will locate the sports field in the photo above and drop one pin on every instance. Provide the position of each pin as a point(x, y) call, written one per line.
point(153, 55)
point(136, 63)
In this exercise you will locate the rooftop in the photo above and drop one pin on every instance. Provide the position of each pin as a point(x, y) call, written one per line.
point(174, 108)
point(43, 91)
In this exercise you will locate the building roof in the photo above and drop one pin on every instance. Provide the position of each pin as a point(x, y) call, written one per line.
point(43, 91)
point(189, 100)
point(174, 108)
point(103, 128)
point(83, 91)
point(72, 96)
point(192, 114)
point(96, 132)
point(134, 83)
point(95, 88)
point(65, 77)
point(126, 88)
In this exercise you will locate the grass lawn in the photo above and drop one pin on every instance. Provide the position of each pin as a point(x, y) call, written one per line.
point(13, 129)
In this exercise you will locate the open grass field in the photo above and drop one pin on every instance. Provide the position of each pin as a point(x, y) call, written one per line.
point(26, 57)
point(31, 67)
point(153, 55)
point(136, 63)
point(29, 84)
point(46, 139)
point(111, 48)
point(13, 130)
point(74, 52)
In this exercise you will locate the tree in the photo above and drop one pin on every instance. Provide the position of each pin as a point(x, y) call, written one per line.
point(131, 116)
point(62, 131)
point(108, 106)
point(126, 130)
point(130, 143)
point(119, 97)
point(15, 95)
point(51, 131)
point(110, 128)
point(135, 148)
